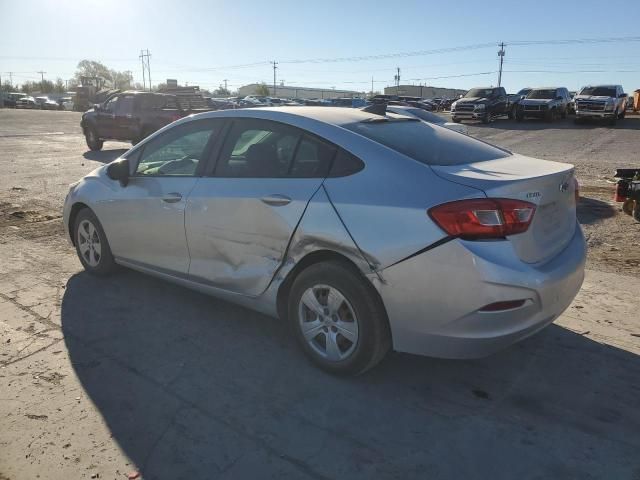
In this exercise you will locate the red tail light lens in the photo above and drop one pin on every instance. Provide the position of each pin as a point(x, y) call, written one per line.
point(483, 218)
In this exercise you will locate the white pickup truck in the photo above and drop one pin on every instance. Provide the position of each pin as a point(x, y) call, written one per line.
point(601, 102)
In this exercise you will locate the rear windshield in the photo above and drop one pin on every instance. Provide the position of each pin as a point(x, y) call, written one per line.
point(426, 143)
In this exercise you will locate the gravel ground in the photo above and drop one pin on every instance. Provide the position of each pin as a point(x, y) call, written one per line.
point(105, 378)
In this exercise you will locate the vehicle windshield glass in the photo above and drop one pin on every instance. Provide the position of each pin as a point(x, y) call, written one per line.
point(599, 91)
point(524, 91)
point(479, 92)
point(542, 94)
point(428, 144)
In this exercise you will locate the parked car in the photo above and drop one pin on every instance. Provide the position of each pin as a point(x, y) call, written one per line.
point(549, 103)
point(26, 102)
point(483, 104)
point(363, 232)
point(601, 102)
point(571, 107)
point(45, 103)
point(65, 103)
point(515, 98)
point(130, 116)
point(426, 116)
point(12, 98)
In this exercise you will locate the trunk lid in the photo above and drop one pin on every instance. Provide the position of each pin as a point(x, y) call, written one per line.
point(548, 185)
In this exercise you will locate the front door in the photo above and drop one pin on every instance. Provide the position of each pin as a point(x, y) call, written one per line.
point(124, 123)
point(144, 221)
point(240, 220)
point(105, 120)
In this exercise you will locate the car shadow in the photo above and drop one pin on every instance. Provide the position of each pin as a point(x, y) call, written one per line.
point(192, 387)
point(592, 210)
point(104, 156)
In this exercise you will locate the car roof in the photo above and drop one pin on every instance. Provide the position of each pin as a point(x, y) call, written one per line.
point(331, 115)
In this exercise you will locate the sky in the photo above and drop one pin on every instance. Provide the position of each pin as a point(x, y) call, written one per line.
point(205, 42)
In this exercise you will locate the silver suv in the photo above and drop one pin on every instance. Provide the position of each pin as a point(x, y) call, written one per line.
point(601, 101)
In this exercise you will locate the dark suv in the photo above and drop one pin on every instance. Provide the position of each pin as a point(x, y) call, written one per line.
point(549, 103)
point(482, 104)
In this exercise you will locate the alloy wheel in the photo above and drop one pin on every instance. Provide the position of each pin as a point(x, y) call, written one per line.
point(89, 243)
point(328, 322)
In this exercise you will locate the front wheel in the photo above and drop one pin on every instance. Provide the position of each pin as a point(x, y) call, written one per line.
point(512, 113)
point(338, 320)
point(93, 141)
point(92, 246)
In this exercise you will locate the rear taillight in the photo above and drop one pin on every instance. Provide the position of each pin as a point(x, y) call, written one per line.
point(622, 191)
point(483, 218)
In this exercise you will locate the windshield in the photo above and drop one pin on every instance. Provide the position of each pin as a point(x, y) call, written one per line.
point(542, 94)
point(479, 92)
point(599, 91)
point(428, 144)
point(524, 91)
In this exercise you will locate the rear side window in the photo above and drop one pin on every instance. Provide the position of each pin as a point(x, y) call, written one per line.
point(313, 158)
point(345, 164)
point(427, 143)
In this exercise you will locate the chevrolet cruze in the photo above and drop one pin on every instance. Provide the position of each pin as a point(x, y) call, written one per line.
point(365, 230)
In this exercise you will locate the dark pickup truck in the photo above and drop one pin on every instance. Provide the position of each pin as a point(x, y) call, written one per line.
point(482, 104)
point(131, 116)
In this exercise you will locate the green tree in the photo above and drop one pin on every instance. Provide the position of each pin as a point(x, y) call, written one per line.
point(59, 86)
point(45, 86)
point(92, 68)
point(262, 89)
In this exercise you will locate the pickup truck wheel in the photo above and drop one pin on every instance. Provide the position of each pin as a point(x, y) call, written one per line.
point(93, 141)
point(456, 120)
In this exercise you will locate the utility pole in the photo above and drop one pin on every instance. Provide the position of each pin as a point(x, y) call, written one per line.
point(11, 79)
point(397, 79)
point(146, 66)
point(372, 85)
point(41, 78)
point(225, 84)
point(275, 67)
point(501, 55)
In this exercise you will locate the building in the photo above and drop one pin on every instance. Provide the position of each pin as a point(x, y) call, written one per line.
point(424, 91)
point(286, 91)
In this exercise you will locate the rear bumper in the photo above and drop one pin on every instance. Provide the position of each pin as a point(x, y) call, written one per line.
point(433, 300)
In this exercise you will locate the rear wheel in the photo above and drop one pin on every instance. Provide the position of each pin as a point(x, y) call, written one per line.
point(93, 141)
point(92, 246)
point(338, 320)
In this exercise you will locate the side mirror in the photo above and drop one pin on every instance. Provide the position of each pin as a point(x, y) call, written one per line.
point(97, 107)
point(119, 171)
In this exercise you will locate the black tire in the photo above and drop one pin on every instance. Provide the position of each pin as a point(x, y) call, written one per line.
point(105, 263)
point(456, 120)
point(512, 113)
point(373, 337)
point(93, 141)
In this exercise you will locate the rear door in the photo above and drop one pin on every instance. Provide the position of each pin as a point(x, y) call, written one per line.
point(240, 219)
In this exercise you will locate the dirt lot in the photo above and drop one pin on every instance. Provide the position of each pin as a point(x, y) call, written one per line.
point(100, 378)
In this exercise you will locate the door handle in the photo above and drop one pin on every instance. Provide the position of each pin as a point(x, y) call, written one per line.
point(172, 197)
point(276, 200)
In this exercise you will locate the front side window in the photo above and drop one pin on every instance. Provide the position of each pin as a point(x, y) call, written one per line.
point(178, 151)
point(110, 104)
point(125, 105)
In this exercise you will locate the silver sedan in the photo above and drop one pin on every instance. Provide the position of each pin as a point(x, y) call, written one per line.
point(365, 231)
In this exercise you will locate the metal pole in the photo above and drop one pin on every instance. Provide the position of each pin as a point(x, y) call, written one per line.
point(144, 82)
point(501, 55)
point(149, 67)
point(275, 66)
